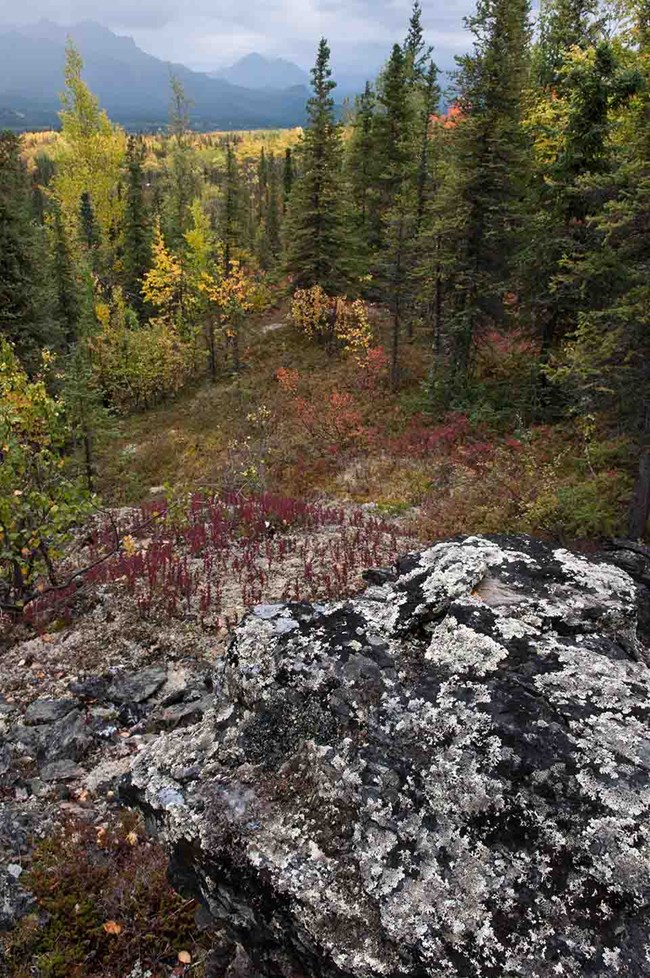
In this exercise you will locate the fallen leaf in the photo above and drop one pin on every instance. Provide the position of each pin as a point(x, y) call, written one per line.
point(132, 838)
point(184, 957)
point(112, 927)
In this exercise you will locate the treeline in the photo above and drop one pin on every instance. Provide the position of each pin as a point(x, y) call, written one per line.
point(515, 220)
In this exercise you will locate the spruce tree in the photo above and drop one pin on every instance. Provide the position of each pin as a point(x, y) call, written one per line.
point(182, 184)
point(430, 106)
point(288, 175)
point(25, 319)
point(137, 227)
point(360, 158)
point(232, 210)
point(67, 296)
point(394, 215)
point(416, 50)
point(318, 249)
point(492, 168)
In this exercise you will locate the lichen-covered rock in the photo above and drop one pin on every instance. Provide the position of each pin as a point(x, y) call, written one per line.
point(448, 776)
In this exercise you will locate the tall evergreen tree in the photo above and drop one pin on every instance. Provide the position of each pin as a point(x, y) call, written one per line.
point(67, 296)
point(394, 133)
point(416, 50)
point(233, 209)
point(318, 249)
point(429, 108)
point(137, 227)
point(25, 319)
point(182, 184)
point(360, 158)
point(288, 174)
point(491, 159)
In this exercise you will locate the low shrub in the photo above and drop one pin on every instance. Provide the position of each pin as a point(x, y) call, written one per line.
point(103, 906)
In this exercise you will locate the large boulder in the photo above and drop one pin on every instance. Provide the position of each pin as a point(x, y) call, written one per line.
point(448, 776)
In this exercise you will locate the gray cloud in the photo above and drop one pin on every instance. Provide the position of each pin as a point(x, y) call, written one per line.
point(203, 33)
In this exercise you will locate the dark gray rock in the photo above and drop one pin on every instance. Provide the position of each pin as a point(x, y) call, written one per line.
point(15, 902)
point(68, 738)
point(183, 714)
point(47, 711)
point(449, 776)
point(90, 689)
point(62, 771)
point(139, 687)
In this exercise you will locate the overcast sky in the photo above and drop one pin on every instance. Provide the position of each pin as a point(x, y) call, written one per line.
point(211, 33)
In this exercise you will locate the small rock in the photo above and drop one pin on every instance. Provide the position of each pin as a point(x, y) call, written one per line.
point(139, 687)
point(48, 711)
point(14, 901)
point(62, 771)
point(183, 714)
point(90, 689)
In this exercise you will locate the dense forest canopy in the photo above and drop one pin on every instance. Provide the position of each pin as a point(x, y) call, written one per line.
point(505, 239)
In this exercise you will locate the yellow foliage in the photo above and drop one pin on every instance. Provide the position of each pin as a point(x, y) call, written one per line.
point(137, 367)
point(89, 154)
point(163, 283)
point(333, 320)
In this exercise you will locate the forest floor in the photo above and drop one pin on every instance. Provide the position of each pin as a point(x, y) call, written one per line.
point(305, 424)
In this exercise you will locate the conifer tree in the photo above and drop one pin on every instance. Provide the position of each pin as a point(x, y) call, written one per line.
point(318, 250)
point(416, 51)
point(24, 316)
point(288, 175)
point(67, 294)
point(182, 184)
point(491, 161)
point(360, 158)
point(429, 108)
point(395, 201)
point(137, 228)
point(233, 210)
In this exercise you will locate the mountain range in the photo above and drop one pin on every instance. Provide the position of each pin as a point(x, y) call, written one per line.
point(134, 87)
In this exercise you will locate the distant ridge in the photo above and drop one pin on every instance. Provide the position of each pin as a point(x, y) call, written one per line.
point(257, 72)
point(134, 87)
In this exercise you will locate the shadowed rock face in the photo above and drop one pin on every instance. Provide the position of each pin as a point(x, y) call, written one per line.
point(448, 776)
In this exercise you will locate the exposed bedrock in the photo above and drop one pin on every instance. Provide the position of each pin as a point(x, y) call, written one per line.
point(448, 776)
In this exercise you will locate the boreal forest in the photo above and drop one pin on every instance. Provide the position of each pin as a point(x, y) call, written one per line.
point(242, 367)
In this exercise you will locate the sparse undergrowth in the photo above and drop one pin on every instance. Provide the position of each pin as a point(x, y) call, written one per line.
point(305, 424)
point(209, 558)
point(103, 903)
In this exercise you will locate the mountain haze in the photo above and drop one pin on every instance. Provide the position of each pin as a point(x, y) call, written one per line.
point(134, 87)
point(257, 72)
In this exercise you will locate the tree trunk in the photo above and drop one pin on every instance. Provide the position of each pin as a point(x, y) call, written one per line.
point(640, 505)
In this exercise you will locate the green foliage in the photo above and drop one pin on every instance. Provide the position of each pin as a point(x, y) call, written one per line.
point(24, 310)
point(88, 166)
point(41, 499)
point(319, 250)
point(106, 904)
point(137, 367)
point(137, 227)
